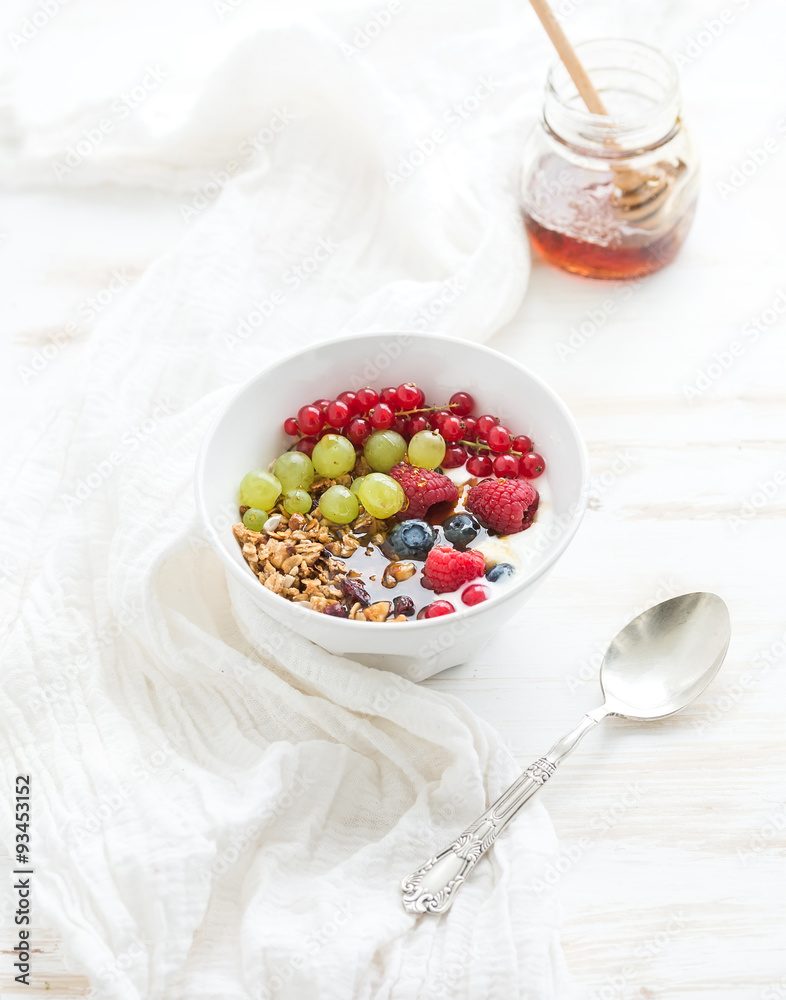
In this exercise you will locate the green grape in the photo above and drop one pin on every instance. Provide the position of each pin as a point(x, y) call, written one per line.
point(381, 495)
point(384, 449)
point(259, 489)
point(294, 471)
point(297, 502)
point(333, 456)
point(426, 449)
point(356, 485)
point(339, 505)
point(254, 518)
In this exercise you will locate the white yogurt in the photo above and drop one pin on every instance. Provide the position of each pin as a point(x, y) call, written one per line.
point(524, 550)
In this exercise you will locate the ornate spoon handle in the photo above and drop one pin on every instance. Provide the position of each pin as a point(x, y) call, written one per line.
point(433, 887)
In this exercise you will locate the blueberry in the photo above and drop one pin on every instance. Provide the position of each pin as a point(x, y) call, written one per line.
point(499, 571)
point(460, 530)
point(411, 539)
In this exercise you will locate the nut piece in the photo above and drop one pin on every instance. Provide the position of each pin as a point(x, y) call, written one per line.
point(343, 547)
point(395, 572)
point(377, 612)
point(292, 561)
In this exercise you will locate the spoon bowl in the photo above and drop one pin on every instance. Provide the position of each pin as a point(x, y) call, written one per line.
point(666, 657)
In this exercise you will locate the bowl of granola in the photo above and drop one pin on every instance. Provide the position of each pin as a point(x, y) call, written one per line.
point(394, 497)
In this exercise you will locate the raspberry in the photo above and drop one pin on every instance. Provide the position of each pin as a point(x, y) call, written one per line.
point(447, 569)
point(503, 505)
point(422, 488)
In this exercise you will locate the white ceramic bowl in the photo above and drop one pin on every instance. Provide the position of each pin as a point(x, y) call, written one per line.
point(248, 434)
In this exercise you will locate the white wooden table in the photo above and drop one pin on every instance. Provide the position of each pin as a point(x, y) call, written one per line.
point(673, 874)
point(674, 834)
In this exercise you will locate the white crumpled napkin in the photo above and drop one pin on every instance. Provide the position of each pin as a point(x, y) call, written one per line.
point(221, 809)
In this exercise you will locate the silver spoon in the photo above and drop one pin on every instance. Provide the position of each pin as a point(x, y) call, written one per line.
point(654, 667)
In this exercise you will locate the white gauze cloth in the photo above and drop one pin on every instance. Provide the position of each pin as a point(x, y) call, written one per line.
point(222, 810)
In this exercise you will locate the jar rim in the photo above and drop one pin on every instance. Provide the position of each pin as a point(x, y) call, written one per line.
point(645, 128)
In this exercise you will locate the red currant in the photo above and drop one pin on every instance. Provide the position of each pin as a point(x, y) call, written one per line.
point(382, 417)
point(522, 444)
point(506, 466)
point(531, 466)
point(480, 466)
point(499, 438)
point(400, 426)
point(367, 398)
point(451, 429)
point(355, 408)
point(327, 430)
point(306, 445)
point(436, 609)
point(485, 423)
point(320, 403)
point(421, 398)
point(438, 417)
point(359, 429)
point(470, 429)
point(461, 404)
point(337, 413)
point(417, 424)
point(310, 419)
point(474, 594)
point(389, 396)
point(455, 457)
point(291, 427)
point(408, 395)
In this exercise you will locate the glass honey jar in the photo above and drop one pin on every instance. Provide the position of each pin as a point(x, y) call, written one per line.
point(611, 196)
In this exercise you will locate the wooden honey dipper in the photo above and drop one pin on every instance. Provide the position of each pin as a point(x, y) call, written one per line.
point(637, 195)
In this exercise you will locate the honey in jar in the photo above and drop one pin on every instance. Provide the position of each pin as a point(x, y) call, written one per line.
point(611, 196)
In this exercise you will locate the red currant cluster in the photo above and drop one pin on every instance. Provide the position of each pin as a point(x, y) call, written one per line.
point(484, 444)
